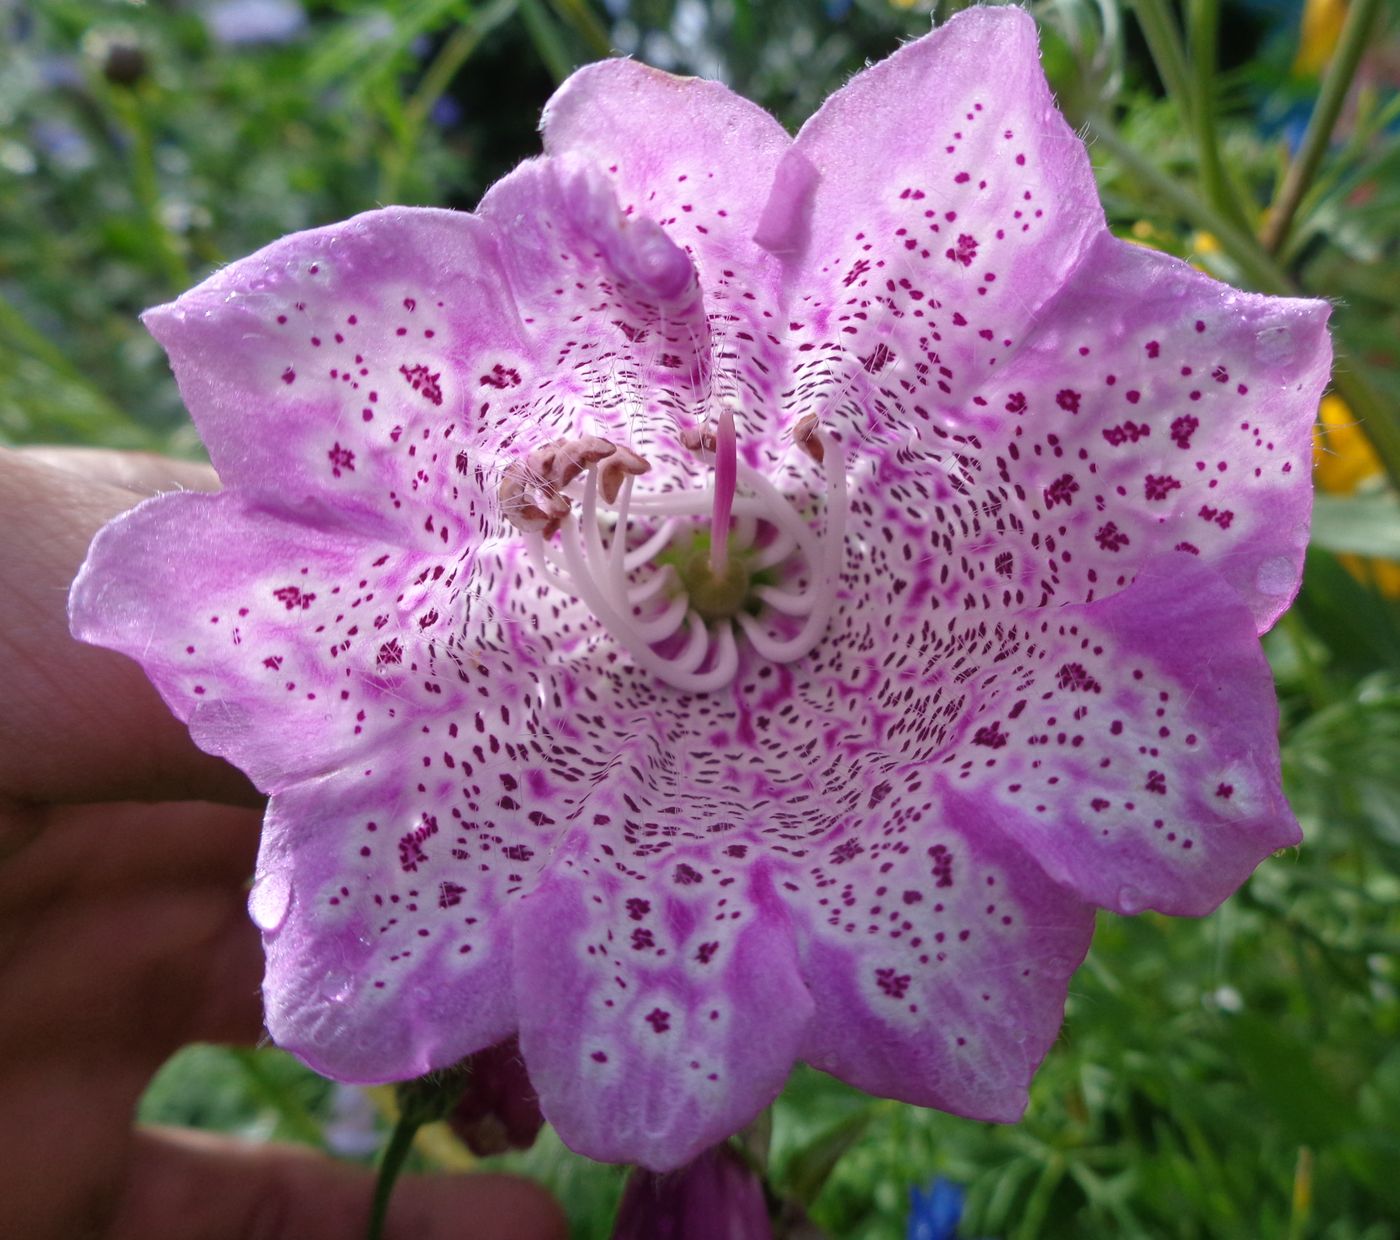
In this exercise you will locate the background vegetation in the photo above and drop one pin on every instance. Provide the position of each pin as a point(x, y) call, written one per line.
point(1237, 1076)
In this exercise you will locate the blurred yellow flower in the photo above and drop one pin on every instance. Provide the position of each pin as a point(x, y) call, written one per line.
point(1344, 460)
point(1342, 456)
point(1322, 25)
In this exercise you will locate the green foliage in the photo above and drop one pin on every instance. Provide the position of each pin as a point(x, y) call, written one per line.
point(1237, 1076)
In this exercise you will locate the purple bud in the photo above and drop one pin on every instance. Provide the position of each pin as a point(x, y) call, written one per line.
point(499, 1109)
point(715, 1195)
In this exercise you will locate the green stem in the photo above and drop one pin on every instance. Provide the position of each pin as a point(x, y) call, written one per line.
point(390, 1165)
point(298, 1120)
point(1259, 268)
point(1377, 415)
point(1336, 83)
point(1314, 683)
point(1354, 164)
point(1204, 23)
point(146, 186)
point(586, 25)
point(1164, 42)
point(545, 36)
point(455, 52)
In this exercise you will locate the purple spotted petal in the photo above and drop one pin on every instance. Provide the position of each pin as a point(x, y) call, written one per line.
point(936, 951)
point(386, 893)
point(932, 258)
point(346, 373)
point(1155, 409)
point(700, 161)
point(1130, 745)
point(612, 309)
point(660, 1008)
point(1089, 405)
point(288, 649)
point(688, 153)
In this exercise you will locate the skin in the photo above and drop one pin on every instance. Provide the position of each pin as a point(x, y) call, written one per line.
point(124, 858)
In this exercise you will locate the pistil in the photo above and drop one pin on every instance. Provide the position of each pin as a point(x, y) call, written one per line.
point(726, 481)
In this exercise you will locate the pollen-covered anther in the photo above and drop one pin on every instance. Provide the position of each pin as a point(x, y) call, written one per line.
point(617, 468)
point(530, 506)
point(532, 490)
point(559, 462)
point(804, 435)
point(700, 439)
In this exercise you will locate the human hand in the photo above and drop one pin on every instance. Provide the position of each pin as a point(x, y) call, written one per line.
point(124, 853)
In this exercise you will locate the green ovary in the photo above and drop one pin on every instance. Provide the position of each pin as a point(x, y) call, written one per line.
point(714, 597)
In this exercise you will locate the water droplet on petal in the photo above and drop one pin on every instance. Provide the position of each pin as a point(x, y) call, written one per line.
point(1131, 900)
point(1275, 346)
point(337, 986)
point(269, 901)
point(1276, 576)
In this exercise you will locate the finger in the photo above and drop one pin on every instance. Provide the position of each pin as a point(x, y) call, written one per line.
point(146, 473)
point(134, 930)
point(204, 1187)
point(79, 723)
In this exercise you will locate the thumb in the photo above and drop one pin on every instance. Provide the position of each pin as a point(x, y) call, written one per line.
point(200, 1186)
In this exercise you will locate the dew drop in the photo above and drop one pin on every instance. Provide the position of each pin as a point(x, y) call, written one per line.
point(1131, 900)
point(269, 901)
point(337, 986)
point(1275, 346)
point(1276, 576)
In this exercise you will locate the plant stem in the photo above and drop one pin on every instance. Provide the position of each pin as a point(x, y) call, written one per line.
point(390, 1165)
point(1261, 270)
point(1164, 42)
point(1314, 683)
point(145, 185)
point(1377, 415)
point(1203, 17)
point(1336, 83)
point(545, 36)
point(290, 1111)
point(586, 25)
point(455, 52)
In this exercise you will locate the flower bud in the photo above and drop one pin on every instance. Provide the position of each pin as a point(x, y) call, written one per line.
point(499, 1109)
point(715, 1195)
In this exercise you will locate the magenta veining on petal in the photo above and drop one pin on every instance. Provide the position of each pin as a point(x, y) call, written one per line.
point(732, 599)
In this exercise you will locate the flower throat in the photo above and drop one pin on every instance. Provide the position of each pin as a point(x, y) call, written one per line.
point(674, 591)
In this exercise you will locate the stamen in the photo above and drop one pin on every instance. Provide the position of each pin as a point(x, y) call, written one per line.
point(694, 604)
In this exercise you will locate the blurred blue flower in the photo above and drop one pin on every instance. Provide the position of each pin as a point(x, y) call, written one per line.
point(446, 113)
point(63, 144)
point(244, 23)
point(352, 1129)
point(934, 1213)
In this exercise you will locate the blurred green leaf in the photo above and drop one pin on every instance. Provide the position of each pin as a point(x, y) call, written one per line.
point(1362, 524)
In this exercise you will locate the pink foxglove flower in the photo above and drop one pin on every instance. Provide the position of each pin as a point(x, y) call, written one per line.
point(732, 599)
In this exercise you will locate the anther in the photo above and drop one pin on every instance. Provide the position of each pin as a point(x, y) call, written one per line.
point(698, 439)
point(804, 435)
point(622, 464)
point(531, 508)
